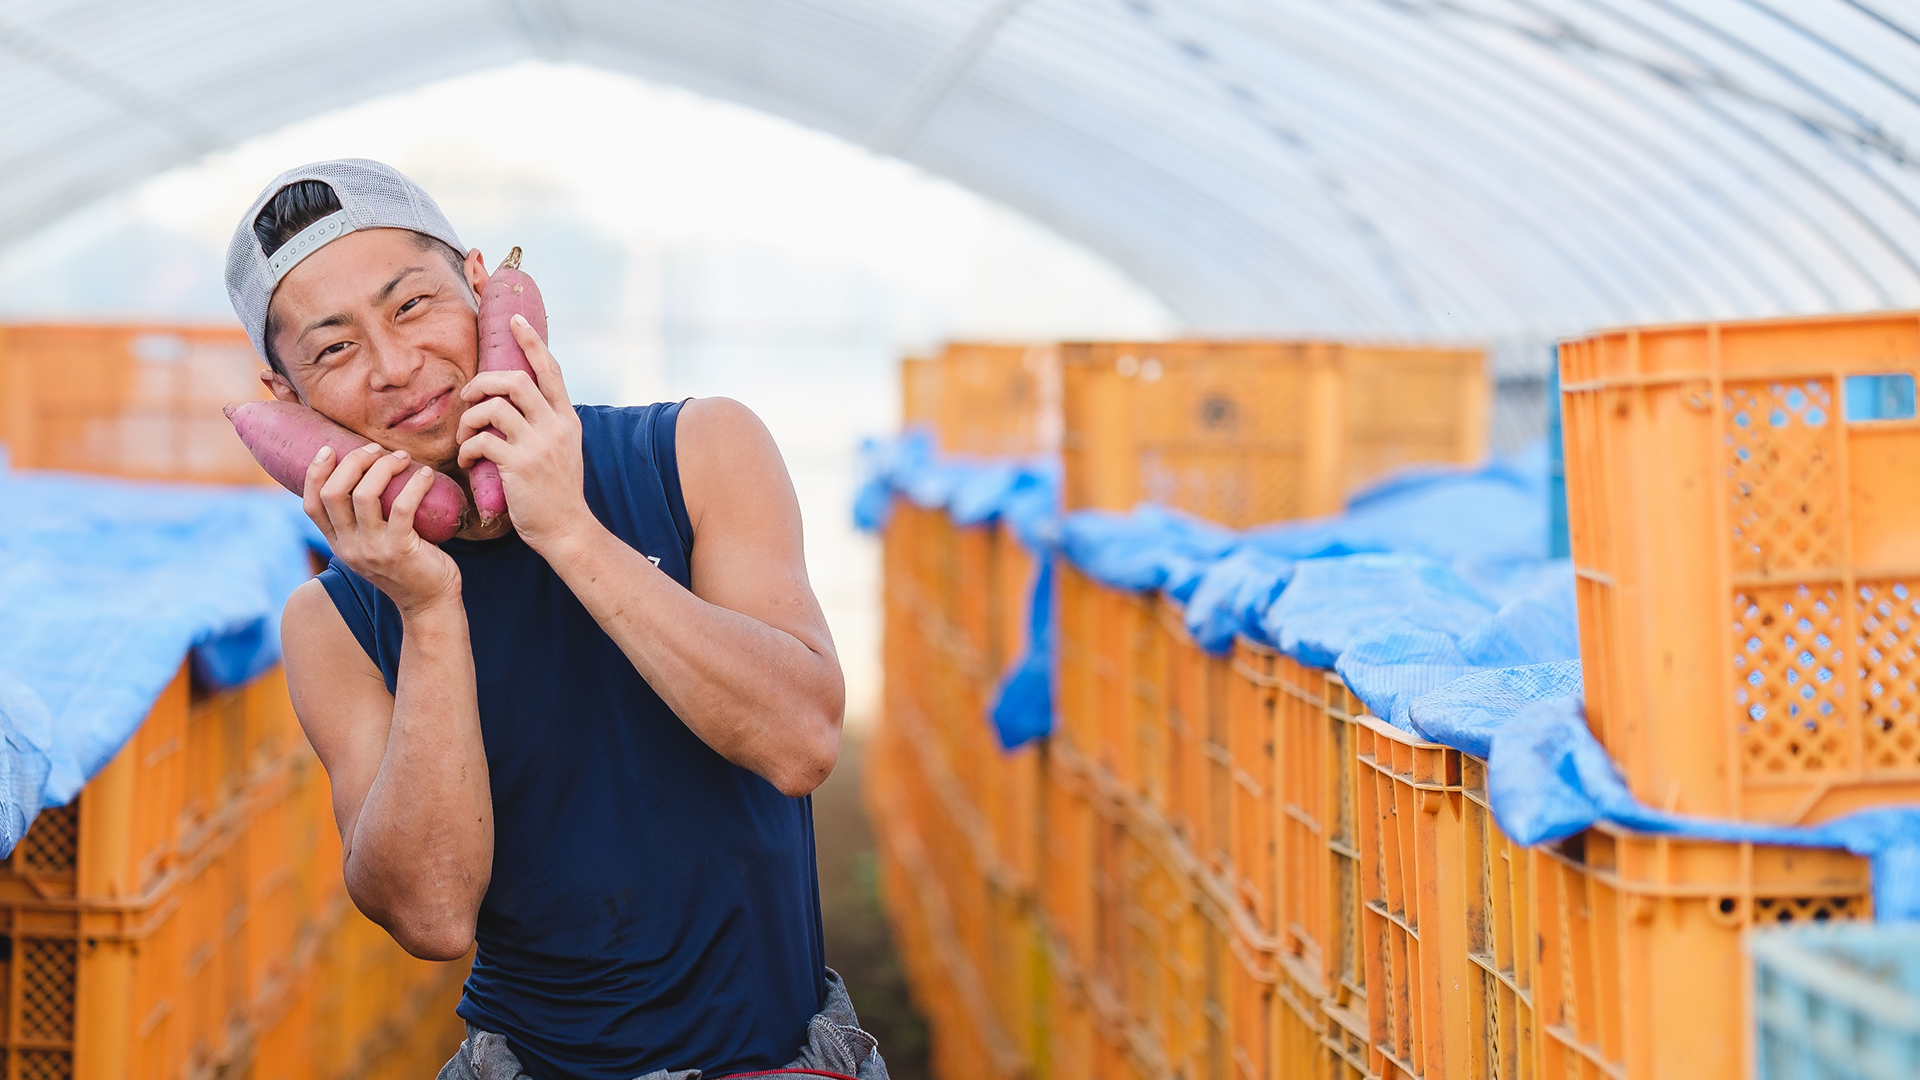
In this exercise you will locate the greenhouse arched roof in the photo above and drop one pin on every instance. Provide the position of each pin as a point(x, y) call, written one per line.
point(1372, 167)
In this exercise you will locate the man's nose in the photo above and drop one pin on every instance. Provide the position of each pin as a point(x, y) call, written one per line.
point(394, 364)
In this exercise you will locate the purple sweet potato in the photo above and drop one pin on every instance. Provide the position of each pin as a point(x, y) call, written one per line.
point(509, 292)
point(283, 438)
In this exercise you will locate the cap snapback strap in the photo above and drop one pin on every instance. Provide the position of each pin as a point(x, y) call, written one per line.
point(311, 239)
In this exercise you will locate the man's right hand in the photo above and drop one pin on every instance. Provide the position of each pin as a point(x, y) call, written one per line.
point(343, 499)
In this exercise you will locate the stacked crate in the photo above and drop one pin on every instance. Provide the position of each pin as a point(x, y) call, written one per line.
point(1245, 433)
point(1750, 482)
point(1202, 912)
point(1242, 874)
point(186, 914)
point(175, 918)
point(957, 816)
point(1745, 540)
point(139, 401)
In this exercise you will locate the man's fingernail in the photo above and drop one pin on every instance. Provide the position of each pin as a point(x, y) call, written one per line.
point(323, 454)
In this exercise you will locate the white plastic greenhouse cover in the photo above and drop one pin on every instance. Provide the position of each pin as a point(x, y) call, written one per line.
point(1456, 168)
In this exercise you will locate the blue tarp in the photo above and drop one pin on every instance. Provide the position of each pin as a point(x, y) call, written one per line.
point(1433, 596)
point(106, 586)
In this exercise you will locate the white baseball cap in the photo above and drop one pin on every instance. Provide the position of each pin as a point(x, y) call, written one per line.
point(372, 196)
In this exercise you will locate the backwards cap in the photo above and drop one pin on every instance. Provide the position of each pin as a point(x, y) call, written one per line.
point(372, 196)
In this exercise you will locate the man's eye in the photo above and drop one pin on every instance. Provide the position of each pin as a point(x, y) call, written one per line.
point(408, 306)
point(333, 349)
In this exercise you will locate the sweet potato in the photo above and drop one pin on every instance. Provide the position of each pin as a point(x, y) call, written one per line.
point(283, 438)
point(509, 292)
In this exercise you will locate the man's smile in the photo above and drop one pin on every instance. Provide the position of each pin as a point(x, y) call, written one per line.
point(425, 414)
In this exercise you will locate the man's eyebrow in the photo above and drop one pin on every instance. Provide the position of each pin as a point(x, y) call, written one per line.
point(381, 296)
point(322, 324)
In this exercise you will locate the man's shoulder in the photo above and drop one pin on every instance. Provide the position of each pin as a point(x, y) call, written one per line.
point(720, 421)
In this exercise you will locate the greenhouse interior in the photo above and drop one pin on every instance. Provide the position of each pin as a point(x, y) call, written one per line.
point(1173, 539)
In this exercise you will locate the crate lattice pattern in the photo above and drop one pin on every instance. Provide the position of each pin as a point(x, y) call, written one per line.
point(1780, 464)
point(1791, 695)
point(1889, 692)
point(52, 844)
point(1793, 678)
point(1797, 685)
point(46, 989)
point(45, 1065)
point(1784, 910)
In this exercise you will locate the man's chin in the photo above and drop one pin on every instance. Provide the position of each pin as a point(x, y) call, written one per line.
point(441, 454)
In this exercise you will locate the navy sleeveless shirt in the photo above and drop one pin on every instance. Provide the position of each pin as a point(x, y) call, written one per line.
point(653, 906)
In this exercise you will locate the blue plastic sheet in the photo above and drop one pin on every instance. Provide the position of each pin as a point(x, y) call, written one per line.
point(1022, 493)
point(1547, 778)
point(107, 585)
point(1433, 596)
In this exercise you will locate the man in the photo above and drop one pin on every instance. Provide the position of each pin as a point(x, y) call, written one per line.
point(582, 736)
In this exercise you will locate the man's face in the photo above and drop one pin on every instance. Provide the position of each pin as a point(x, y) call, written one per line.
point(380, 335)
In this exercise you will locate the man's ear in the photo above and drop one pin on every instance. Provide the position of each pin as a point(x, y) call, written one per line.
point(279, 387)
point(476, 273)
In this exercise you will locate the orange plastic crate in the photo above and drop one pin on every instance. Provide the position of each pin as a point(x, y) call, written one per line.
point(1319, 905)
point(1239, 1009)
point(1274, 699)
point(1067, 890)
point(1194, 704)
point(1126, 685)
point(1316, 839)
point(208, 960)
point(1640, 975)
point(946, 937)
point(1500, 942)
point(1074, 723)
point(285, 1048)
point(1407, 807)
point(1249, 432)
point(118, 980)
point(940, 685)
point(998, 400)
point(377, 1007)
point(1746, 557)
point(975, 643)
point(919, 392)
point(180, 783)
point(1069, 1025)
point(1168, 951)
point(302, 1042)
point(136, 401)
point(1349, 985)
point(984, 399)
point(1304, 1043)
point(1223, 748)
point(1111, 697)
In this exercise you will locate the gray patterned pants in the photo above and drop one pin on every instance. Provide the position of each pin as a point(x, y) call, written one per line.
point(835, 1044)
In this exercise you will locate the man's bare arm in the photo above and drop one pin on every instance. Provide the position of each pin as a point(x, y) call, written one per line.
point(409, 771)
point(409, 776)
point(745, 659)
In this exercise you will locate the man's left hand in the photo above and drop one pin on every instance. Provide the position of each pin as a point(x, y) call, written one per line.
point(537, 448)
